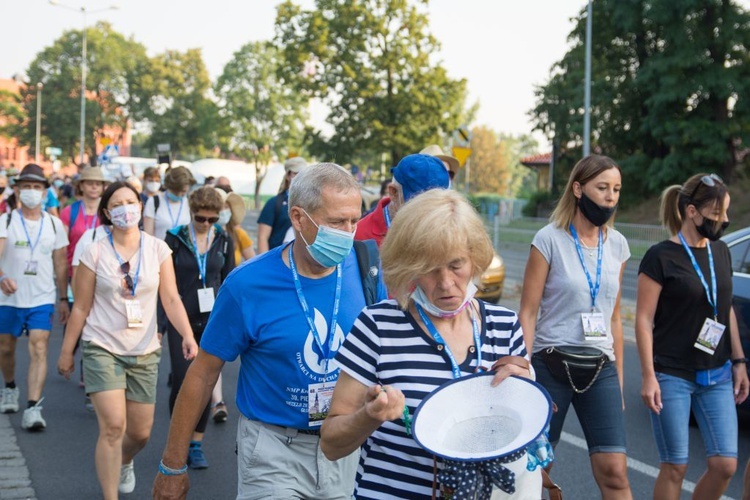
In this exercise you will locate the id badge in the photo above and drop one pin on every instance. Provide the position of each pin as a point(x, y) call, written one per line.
point(30, 268)
point(710, 336)
point(206, 299)
point(134, 313)
point(594, 327)
point(319, 402)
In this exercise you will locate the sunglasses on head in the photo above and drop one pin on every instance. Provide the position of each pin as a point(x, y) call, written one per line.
point(125, 268)
point(710, 180)
point(201, 219)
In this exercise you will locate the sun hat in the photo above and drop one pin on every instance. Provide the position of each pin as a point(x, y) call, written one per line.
point(90, 174)
point(237, 205)
point(295, 164)
point(437, 152)
point(469, 420)
point(33, 173)
point(417, 173)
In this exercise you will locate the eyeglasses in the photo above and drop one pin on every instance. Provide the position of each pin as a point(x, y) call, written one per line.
point(709, 180)
point(125, 268)
point(201, 220)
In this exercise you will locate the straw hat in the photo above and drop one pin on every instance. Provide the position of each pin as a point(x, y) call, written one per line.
point(437, 152)
point(90, 174)
point(237, 205)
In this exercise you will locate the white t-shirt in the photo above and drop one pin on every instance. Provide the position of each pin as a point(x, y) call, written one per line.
point(107, 323)
point(169, 215)
point(89, 236)
point(33, 290)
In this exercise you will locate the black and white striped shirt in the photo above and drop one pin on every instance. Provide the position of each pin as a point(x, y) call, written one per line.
point(387, 346)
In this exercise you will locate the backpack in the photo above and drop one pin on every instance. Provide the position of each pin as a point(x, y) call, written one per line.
point(10, 214)
point(368, 261)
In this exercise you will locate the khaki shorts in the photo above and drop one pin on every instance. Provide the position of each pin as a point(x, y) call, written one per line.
point(104, 371)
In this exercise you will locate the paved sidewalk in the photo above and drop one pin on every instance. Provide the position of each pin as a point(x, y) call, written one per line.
point(15, 482)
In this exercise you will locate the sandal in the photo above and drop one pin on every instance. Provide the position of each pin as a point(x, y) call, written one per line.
point(219, 412)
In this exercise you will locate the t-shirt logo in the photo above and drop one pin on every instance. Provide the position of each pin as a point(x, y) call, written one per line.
point(314, 358)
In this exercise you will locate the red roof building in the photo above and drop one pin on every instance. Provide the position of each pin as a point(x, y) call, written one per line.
point(541, 163)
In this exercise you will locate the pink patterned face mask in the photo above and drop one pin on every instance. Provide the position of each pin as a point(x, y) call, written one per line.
point(125, 216)
point(420, 298)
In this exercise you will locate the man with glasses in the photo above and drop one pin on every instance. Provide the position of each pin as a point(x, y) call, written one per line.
point(285, 314)
point(33, 267)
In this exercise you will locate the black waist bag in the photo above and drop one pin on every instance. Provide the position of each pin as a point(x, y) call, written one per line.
point(578, 366)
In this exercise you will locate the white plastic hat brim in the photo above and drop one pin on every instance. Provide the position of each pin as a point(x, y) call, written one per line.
point(466, 419)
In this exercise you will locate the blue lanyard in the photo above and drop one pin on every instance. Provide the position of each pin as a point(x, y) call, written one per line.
point(439, 339)
point(38, 236)
point(310, 321)
point(712, 299)
point(169, 209)
point(593, 288)
point(140, 259)
point(94, 220)
point(387, 217)
point(201, 259)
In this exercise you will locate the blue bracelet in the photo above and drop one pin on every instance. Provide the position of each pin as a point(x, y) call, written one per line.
point(168, 471)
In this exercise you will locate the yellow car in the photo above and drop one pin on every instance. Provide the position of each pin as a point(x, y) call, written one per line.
point(491, 286)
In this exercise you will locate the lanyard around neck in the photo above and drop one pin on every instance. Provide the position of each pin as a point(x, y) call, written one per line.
point(201, 258)
point(174, 220)
point(439, 340)
point(387, 217)
point(140, 259)
point(306, 309)
point(712, 299)
point(32, 246)
point(593, 287)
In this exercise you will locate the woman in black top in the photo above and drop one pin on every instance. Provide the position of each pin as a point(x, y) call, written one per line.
point(203, 256)
point(688, 339)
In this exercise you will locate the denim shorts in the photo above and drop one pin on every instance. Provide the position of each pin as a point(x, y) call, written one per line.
point(599, 409)
point(714, 411)
point(14, 319)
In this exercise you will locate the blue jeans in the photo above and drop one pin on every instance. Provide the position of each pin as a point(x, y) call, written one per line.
point(599, 409)
point(714, 411)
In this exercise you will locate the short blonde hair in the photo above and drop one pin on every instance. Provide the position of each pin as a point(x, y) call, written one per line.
point(428, 232)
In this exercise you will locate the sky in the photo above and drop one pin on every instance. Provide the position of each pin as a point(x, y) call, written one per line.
point(502, 48)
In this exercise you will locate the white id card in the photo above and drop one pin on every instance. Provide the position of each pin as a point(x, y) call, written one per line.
point(30, 268)
point(319, 402)
point(206, 299)
point(710, 336)
point(594, 327)
point(134, 313)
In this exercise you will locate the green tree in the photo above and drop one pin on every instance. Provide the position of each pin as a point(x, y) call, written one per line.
point(496, 162)
point(372, 62)
point(670, 82)
point(264, 115)
point(179, 110)
point(116, 66)
point(11, 114)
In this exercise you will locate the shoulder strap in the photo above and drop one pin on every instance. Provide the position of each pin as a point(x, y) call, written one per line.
point(368, 259)
point(74, 209)
point(7, 221)
point(156, 203)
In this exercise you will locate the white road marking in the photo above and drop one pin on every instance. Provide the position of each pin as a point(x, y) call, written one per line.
point(634, 464)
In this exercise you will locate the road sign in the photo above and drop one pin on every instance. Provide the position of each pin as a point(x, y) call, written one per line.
point(462, 136)
point(50, 151)
point(461, 154)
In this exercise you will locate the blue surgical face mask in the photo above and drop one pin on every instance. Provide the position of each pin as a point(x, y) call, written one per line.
point(173, 197)
point(58, 183)
point(331, 246)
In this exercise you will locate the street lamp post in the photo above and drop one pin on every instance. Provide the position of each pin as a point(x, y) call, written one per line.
point(84, 11)
point(587, 88)
point(38, 120)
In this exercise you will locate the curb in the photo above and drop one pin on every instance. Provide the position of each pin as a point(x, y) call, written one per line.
point(15, 482)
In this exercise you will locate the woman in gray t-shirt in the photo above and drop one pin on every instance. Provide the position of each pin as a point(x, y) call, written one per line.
point(570, 314)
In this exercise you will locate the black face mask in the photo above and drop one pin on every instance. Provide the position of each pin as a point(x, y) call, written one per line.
point(708, 229)
point(596, 214)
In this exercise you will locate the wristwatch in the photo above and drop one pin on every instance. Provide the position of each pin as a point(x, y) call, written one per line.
point(738, 361)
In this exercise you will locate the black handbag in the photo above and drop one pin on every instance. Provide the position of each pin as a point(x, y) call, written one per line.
point(579, 366)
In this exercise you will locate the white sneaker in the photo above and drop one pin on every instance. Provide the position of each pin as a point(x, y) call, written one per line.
point(32, 418)
point(9, 402)
point(127, 478)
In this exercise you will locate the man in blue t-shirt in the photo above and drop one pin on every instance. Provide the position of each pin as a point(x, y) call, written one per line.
point(273, 221)
point(285, 314)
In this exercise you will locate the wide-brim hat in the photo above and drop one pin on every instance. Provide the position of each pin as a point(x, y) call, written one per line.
point(90, 174)
point(32, 173)
point(437, 152)
point(469, 420)
point(237, 205)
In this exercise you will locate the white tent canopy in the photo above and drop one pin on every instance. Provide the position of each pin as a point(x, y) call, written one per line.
point(240, 174)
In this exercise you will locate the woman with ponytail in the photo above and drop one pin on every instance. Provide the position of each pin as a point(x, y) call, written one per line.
point(688, 340)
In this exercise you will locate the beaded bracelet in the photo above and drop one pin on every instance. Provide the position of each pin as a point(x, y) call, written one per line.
point(168, 471)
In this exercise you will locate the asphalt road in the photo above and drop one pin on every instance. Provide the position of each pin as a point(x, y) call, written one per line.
point(61, 458)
